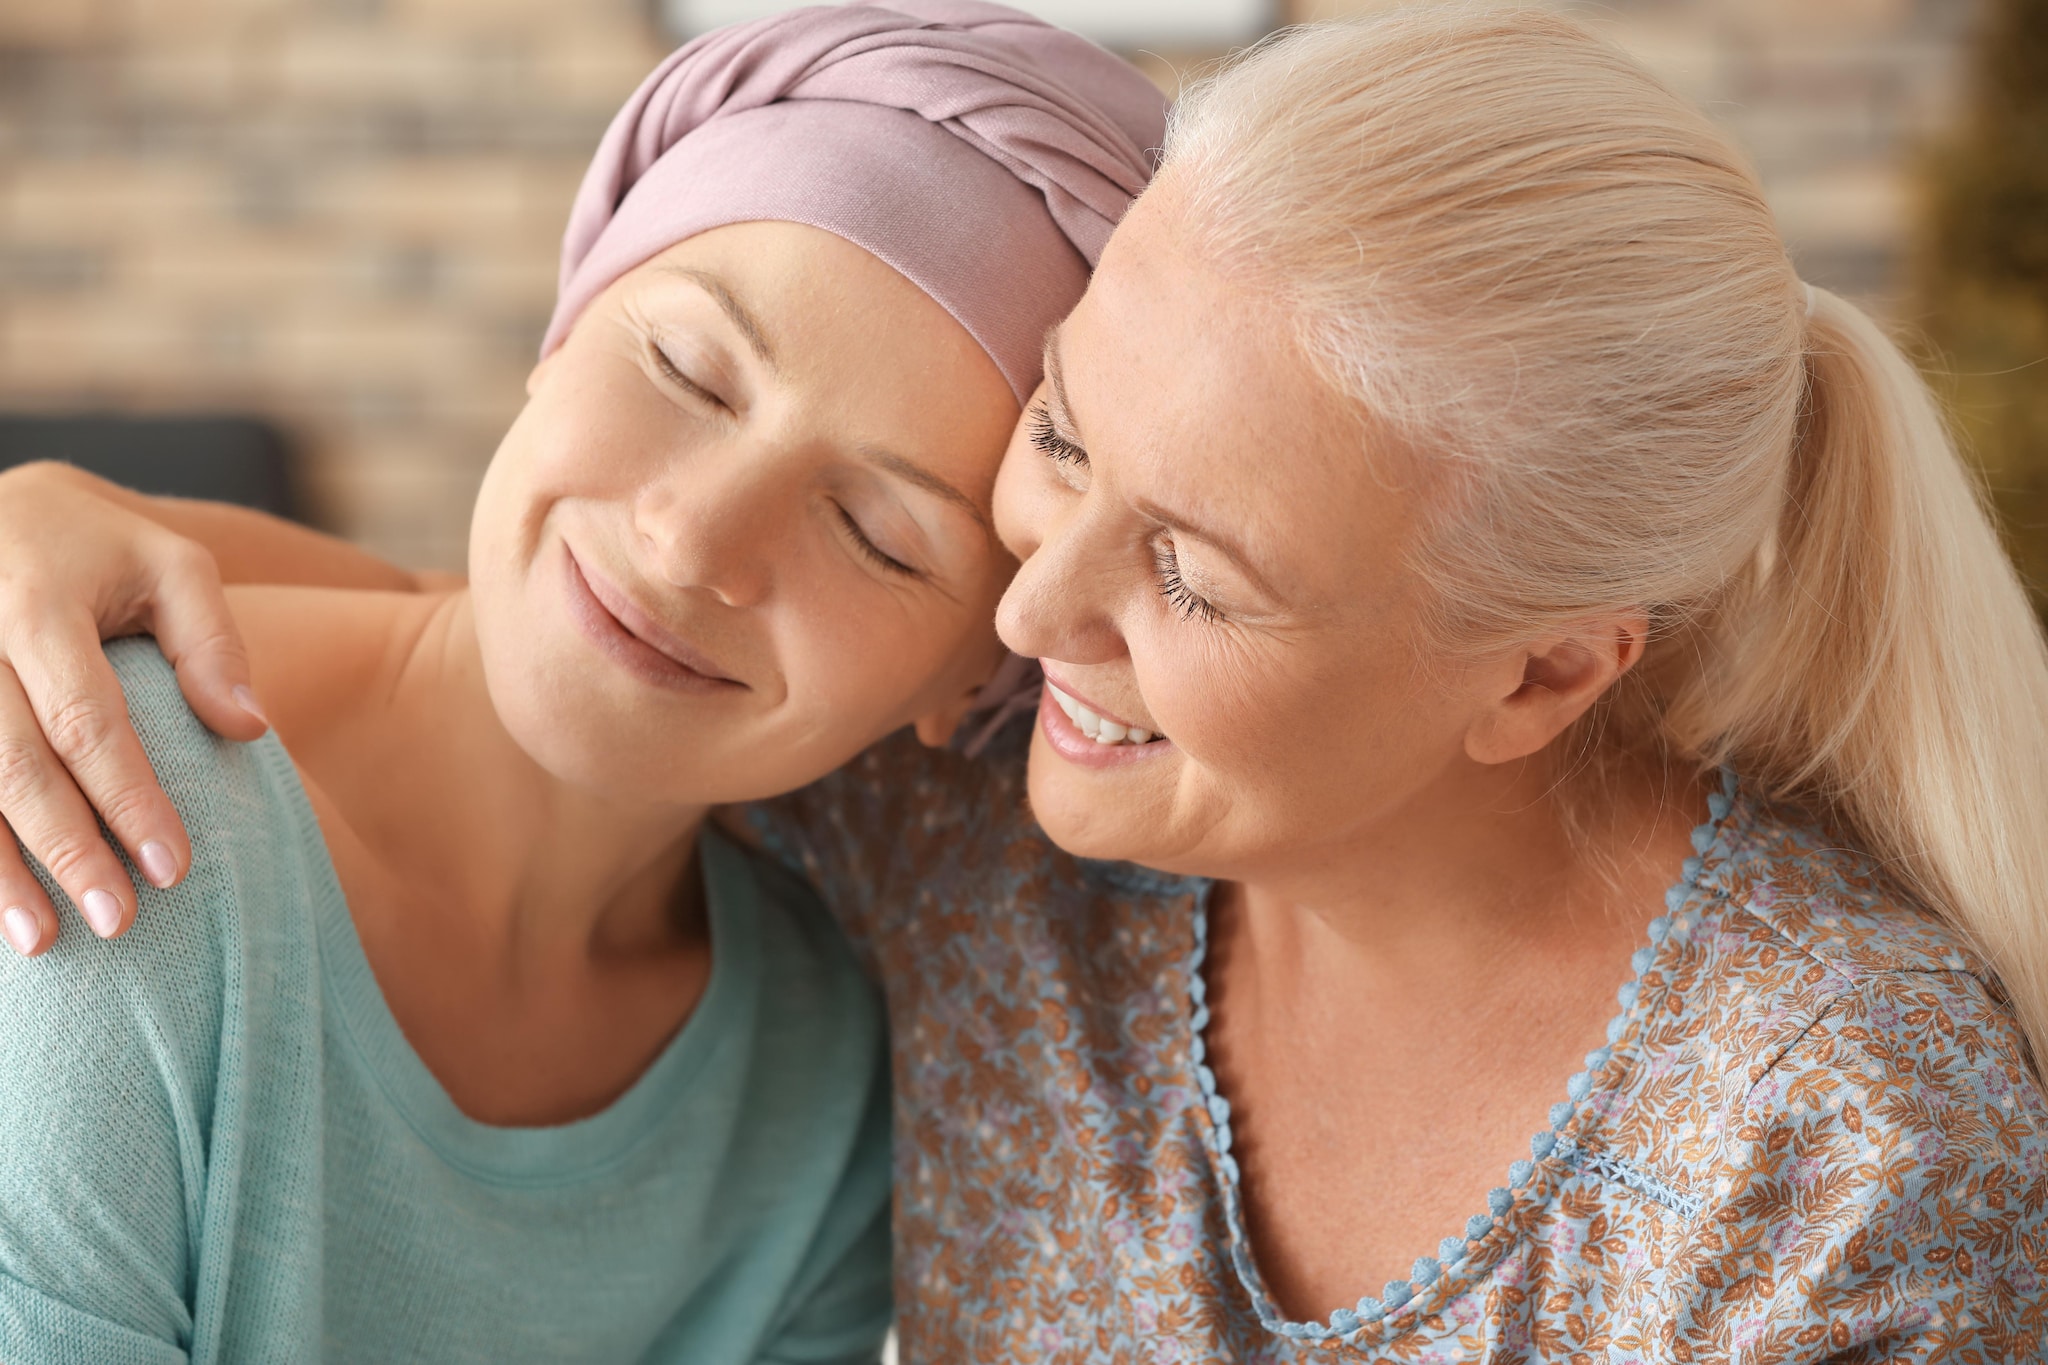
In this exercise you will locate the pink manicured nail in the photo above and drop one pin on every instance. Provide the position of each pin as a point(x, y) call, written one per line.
point(22, 930)
point(102, 912)
point(246, 699)
point(157, 864)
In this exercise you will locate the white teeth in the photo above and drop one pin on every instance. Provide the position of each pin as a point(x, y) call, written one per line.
point(1105, 732)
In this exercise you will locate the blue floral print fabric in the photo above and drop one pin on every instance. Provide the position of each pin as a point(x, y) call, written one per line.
point(1812, 1136)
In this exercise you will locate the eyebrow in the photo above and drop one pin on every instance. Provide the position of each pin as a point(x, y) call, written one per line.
point(911, 472)
point(907, 470)
point(1208, 535)
point(1228, 545)
point(729, 303)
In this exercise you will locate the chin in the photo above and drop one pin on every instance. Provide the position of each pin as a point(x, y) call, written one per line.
point(604, 745)
point(584, 735)
point(1085, 817)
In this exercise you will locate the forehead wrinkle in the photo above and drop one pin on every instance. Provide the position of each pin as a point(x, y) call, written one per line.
point(729, 303)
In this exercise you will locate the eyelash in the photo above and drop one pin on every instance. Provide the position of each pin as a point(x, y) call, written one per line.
point(675, 376)
point(881, 558)
point(874, 553)
point(1046, 437)
point(1183, 599)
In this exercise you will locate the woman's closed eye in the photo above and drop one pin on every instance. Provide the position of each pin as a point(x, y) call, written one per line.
point(1183, 599)
point(1046, 437)
point(672, 371)
point(864, 545)
point(1069, 454)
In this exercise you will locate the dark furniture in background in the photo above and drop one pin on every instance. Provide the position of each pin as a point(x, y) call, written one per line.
point(225, 459)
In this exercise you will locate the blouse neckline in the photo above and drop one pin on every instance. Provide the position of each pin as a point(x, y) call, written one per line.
point(1460, 1259)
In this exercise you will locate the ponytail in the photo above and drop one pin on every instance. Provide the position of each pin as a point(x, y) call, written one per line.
point(1887, 662)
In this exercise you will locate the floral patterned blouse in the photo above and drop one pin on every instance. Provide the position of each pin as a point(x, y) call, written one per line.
point(1811, 1136)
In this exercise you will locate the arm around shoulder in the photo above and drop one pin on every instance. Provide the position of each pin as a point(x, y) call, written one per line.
point(246, 545)
point(82, 561)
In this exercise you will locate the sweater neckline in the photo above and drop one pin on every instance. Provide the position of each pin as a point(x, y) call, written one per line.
point(1460, 1259)
point(549, 1155)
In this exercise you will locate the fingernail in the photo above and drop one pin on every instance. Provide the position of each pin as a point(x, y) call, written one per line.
point(102, 912)
point(22, 930)
point(246, 699)
point(158, 864)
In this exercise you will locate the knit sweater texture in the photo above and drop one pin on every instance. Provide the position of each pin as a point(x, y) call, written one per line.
point(216, 1144)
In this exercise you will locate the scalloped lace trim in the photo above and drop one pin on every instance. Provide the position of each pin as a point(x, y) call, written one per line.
point(1454, 1253)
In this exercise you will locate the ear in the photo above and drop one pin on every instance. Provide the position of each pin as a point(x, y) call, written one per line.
point(1548, 685)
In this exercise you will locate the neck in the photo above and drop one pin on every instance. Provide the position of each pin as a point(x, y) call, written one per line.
point(1485, 865)
point(443, 797)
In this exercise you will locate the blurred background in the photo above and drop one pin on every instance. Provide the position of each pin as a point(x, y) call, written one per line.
point(300, 252)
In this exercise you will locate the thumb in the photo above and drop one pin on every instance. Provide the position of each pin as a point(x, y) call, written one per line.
point(197, 632)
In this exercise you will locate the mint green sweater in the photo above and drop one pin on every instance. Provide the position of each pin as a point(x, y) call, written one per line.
point(216, 1144)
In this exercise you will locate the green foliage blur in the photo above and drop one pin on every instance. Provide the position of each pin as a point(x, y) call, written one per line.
point(1983, 275)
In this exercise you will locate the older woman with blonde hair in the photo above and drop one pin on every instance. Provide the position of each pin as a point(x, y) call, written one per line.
point(1540, 798)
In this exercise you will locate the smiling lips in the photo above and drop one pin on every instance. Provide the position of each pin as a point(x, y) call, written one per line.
point(612, 621)
point(1060, 718)
point(1099, 728)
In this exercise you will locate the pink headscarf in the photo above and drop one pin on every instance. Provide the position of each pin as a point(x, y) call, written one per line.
point(981, 153)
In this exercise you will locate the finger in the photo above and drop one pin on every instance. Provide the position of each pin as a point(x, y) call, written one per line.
point(27, 920)
point(77, 700)
point(197, 633)
point(51, 817)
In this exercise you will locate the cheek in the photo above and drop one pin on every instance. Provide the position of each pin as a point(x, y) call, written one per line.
point(860, 662)
point(1296, 735)
point(598, 425)
point(1240, 709)
point(554, 450)
point(504, 525)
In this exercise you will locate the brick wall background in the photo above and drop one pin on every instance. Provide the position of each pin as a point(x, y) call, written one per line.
point(339, 213)
point(343, 214)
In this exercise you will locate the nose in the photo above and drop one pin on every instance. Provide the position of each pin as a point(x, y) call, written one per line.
point(713, 523)
point(1062, 603)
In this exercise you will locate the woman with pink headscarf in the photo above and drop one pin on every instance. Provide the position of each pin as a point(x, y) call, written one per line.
point(1534, 840)
point(466, 1039)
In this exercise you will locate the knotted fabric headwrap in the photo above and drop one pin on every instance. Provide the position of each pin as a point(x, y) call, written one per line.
point(983, 154)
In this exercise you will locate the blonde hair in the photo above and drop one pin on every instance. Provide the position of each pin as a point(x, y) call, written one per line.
point(1533, 264)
